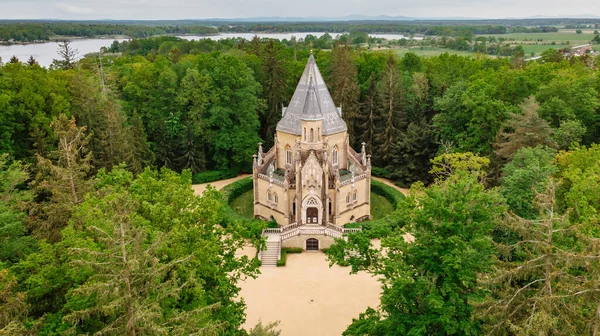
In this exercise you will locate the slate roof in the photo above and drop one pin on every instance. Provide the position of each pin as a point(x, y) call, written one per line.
point(311, 101)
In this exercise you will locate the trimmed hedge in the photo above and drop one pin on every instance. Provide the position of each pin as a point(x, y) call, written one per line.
point(237, 188)
point(214, 175)
point(284, 251)
point(390, 193)
point(377, 228)
point(253, 227)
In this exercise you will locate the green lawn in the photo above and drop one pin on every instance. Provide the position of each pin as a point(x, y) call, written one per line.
point(380, 206)
point(244, 205)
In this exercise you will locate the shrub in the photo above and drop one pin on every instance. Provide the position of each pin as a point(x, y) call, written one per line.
point(381, 172)
point(237, 188)
point(214, 175)
point(284, 251)
point(293, 249)
point(282, 259)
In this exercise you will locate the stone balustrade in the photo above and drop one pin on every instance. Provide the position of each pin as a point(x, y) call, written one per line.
point(356, 178)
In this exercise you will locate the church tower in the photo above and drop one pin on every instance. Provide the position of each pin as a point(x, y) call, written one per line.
point(311, 176)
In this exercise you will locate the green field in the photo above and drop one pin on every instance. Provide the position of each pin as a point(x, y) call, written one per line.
point(244, 205)
point(430, 51)
point(539, 42)
point(547, 37)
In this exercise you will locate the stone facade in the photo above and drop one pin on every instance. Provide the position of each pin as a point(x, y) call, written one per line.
point(311, 176)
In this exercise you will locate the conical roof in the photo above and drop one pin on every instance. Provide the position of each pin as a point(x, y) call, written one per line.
point(311, 101)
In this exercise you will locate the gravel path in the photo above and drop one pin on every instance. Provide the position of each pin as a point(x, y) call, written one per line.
point(405, 191)
point(199, 188)
point(308, 297)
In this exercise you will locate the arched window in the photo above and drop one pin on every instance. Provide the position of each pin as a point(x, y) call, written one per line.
point(353, 196)
point(277, 198)
point(288, 155)
point(335, 155)
point(348, 198)
point(269, 195)
point(304, 133)
point(330, 208)
point(312, 135)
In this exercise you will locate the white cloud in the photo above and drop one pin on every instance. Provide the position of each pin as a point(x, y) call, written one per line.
point(74, 9)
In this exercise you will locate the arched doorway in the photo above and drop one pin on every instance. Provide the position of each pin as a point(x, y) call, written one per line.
point(312, 215)
point(312, 244)
point(312, 210)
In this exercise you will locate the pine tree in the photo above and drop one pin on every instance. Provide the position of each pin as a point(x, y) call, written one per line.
point(14, 60)
point(393, 113)
point(529, 130)
point(344, 87)
point(551, 288)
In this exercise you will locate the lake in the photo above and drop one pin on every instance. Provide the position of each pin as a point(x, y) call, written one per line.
point(44, 53)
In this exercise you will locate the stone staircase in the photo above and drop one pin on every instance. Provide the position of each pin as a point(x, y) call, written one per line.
point(270, 256)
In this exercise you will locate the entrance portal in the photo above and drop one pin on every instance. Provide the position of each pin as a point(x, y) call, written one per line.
point(312, 244)
point(312, 216)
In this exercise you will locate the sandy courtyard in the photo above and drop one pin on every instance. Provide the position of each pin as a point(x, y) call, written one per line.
point(308, 297)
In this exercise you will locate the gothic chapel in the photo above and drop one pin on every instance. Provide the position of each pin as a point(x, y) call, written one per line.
point(312, 177)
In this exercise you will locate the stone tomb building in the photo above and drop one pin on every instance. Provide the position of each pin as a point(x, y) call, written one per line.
point(311, 178)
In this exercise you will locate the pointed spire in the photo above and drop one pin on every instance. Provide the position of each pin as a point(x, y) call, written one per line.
point(311, 101)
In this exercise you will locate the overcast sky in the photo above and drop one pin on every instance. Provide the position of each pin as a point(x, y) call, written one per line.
point(200, 9)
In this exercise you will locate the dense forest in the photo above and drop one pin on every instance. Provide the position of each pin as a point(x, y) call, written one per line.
point(100, 232)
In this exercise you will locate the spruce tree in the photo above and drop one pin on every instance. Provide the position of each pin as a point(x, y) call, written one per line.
point(344, 87)
point(275, 75)
point(392, 107)
point(132, 282)
point(547, 283)
point(63, 178)
point(412, 153)
point(369, 114)
point(32, 61)
point(142, 156)
point(528, 130)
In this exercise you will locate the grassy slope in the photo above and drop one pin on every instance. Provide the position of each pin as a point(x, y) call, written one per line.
point(380, 206)
point(244, 204)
